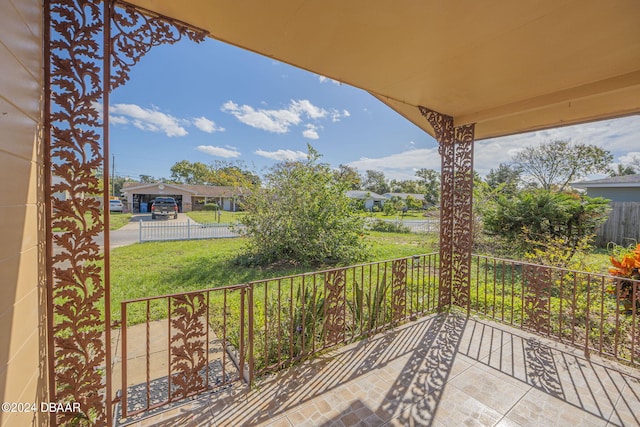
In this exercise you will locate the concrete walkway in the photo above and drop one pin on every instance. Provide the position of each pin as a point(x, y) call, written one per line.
point(443, 370)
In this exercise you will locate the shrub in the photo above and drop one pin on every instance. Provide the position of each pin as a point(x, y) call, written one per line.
point(389, 227)
point(210, 207)
point(531, 219)
point(302, 215)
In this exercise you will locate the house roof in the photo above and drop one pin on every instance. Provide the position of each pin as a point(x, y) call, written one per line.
point(359, 194)
point(136, 186)
point(625, 181)
point(403, 196)
point(507, 66)
point(196, 190)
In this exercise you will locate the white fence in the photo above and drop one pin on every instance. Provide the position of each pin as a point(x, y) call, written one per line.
point(170, 230)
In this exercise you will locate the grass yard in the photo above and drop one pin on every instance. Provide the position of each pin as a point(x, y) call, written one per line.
point(210, 216)
point(118, 220)
point(159, 268)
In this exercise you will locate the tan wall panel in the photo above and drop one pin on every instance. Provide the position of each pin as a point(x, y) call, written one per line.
point(17, 130)
point(12, 22)
point(17, 180)
point(18, 85)
point(22, 327)
point(18, 228)
point(20, 269)
point(21, 333)
point(30, 11)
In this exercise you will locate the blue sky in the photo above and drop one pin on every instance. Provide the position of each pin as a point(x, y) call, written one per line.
point(211, 101)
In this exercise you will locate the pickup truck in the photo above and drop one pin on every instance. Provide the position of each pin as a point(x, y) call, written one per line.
point(164, 206)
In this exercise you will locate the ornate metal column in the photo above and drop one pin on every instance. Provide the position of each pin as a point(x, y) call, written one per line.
point(80, 50)
point(456, 213)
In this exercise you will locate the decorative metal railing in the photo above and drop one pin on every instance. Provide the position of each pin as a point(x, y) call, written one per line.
point(176, 346)
point(593, 312)
point(180, 345)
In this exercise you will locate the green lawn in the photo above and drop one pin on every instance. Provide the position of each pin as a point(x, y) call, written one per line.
point(209, 216)
point(159, 268)
point(118, 220)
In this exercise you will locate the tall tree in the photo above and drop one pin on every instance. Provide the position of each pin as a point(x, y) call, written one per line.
point(406, 186)
point(557, 163)
point(233, 174)
point(375, 181)
point(431, 181)
point(148, 179)
point(349, 175)
point(186, 172)
point(218, 173)
point(505, 179)
point(635, 163)
point(622, 170)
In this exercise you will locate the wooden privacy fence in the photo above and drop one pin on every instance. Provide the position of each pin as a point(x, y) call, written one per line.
point(623, 225)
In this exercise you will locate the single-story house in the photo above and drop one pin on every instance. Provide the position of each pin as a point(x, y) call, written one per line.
point(624, 188)
point(189, 197)
point(370, 198)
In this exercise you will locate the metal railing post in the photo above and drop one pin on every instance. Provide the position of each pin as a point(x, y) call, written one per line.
point(140, 236)
point(188, 229)
point(251, 334)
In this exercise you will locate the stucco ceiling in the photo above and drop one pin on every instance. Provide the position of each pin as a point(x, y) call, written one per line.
point(508, 66)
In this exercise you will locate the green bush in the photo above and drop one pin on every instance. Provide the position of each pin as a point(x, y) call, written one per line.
point(302, 215)
point(210, 207)
point(389, 227)
point(531, 219)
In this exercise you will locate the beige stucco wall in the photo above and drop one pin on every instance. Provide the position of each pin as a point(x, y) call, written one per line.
point(22, 331)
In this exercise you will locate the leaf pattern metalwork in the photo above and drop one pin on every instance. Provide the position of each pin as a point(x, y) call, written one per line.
point(74, 146)
point(399, 289)
point(188, 345)
point(537, 291)
point(335, 281)
point(136, 31)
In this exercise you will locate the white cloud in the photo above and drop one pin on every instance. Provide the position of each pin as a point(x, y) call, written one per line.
point(206, 125)
point(282, 120)
point(311, 131)
point(148, 119)
point(337, 115)
point(619, 136)
point(276, 121)
point(282, 154)
point(218, 151)
point(401, 165)
point(324, 79)
point(118, 120)
point(304, 106)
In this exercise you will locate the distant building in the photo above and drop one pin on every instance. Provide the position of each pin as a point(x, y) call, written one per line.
point(189, 197)
point(370, 198)
point(624, 188)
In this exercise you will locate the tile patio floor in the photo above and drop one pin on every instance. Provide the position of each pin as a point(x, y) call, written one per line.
point(443, 370)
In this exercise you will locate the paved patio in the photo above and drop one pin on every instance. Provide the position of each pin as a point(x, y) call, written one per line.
point(443, 370)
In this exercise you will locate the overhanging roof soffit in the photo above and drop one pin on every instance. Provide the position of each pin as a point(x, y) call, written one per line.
point(507, 66)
